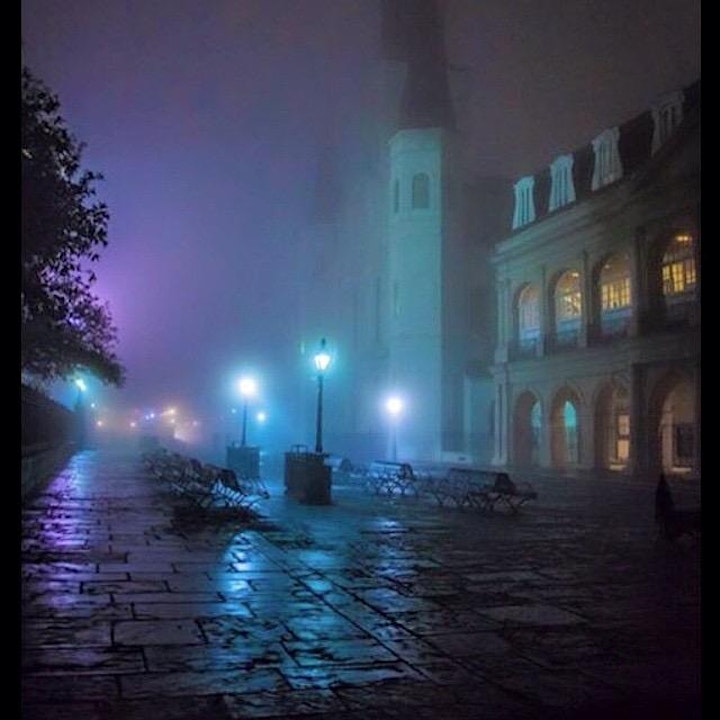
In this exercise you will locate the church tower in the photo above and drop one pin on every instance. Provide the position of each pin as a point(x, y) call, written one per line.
point(425, 332)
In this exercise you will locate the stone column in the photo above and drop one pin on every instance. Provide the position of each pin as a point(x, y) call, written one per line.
point(586, 301)
point(639, 440)
point(544, 314)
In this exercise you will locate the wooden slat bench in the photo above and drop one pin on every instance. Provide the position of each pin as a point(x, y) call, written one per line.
point(388, 478)
point(479, 489)
point(462, 487)
point(203, 485)
point(511, 494)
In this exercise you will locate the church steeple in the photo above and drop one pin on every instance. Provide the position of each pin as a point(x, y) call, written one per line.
point(413, 32)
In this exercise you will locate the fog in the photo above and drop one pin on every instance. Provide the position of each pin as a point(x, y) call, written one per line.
point(208, 119)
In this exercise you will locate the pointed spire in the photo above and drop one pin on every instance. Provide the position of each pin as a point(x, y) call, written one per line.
point(413, 32)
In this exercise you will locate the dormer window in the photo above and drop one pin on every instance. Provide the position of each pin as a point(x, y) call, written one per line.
point(562, 190)
point(524, 202)
point(667, 115)
point(607, 168)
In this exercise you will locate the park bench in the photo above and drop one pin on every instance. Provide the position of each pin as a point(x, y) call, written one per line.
point(387, 478)
point(479, 489)
point(203, 485)
point(512, 495)
point(461, 486)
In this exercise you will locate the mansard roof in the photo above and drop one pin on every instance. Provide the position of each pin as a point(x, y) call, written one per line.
point(634, 148)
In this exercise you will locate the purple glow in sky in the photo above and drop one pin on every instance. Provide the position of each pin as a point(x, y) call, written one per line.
point(206, 118)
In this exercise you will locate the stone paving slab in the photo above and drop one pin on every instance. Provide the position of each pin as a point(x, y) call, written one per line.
point(371, 607)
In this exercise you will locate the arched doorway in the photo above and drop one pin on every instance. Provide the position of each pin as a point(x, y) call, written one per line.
point(565, 431)
point(527, 427)
point(612, 428)
point(677, 428)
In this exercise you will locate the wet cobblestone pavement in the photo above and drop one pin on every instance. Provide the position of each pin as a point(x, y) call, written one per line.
point(369, 608)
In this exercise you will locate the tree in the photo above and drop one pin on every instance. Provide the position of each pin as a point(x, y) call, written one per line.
point(64, 326)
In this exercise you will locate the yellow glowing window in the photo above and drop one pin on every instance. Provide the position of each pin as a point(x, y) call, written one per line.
point(623, 425)
point(568, 298)
point(615, 294)
point(615, 283)
point(678, 267)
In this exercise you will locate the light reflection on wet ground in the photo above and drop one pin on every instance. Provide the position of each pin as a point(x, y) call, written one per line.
point(370, 607)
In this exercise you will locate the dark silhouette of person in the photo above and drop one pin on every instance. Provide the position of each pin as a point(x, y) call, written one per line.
point(664, 504)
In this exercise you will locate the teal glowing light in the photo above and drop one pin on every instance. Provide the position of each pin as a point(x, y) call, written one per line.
point(322, 358)
point(394, 406)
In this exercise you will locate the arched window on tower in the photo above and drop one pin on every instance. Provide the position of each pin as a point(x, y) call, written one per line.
point(615, 298)
point(396, 196)
point(420, 191)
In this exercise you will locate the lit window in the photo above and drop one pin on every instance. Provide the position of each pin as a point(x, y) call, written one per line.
point(607, 168)
point(678, 266)
point(568, 296)
point(622, 447)
point(615, 297)
point(615, 294)
point(562, 189)
point(568, 307)
point(529, 315)
point(667, 115)
point(524, 202)
point(420, 191)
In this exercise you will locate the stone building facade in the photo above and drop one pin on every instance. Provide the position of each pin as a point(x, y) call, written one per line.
point(597, 364)
point(549, 324)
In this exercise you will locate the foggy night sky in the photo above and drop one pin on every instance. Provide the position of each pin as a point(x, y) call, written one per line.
point(205, 118)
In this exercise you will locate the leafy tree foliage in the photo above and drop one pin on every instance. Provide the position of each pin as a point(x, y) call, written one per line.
point(65, 327)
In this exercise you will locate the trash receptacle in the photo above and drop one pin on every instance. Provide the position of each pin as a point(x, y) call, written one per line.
point(307, 478)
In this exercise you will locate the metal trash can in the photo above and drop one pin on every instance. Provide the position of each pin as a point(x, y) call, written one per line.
point(307, 478)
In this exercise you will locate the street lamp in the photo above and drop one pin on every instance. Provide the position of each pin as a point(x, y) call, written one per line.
point(321, 360)
point(248, 388)
point(394, 406)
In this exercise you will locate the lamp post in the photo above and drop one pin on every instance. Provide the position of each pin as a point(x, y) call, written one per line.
point(248, 388)
point(321, 360)
point(394, 406)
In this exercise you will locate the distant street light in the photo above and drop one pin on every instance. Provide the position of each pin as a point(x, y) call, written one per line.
point(248, 389)
point(394, 407)
point(322, 361)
